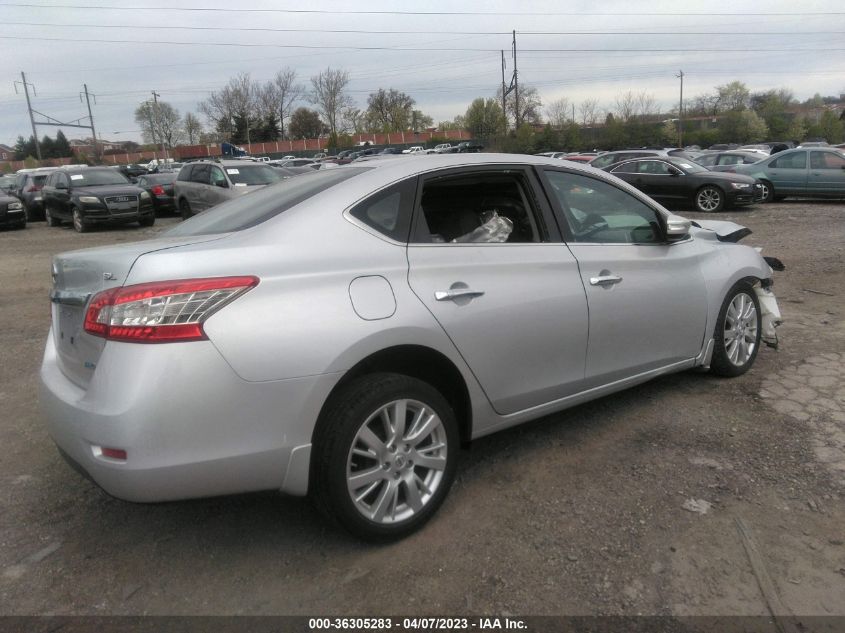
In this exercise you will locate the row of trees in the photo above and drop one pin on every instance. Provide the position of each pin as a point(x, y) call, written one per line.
point(50, 148)
point(245, 111)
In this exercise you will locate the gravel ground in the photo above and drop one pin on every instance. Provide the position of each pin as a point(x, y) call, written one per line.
point(632, 504)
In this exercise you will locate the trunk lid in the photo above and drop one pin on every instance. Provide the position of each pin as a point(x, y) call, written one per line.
point(78, 276)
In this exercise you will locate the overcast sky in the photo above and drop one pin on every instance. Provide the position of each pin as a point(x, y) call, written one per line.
point(444, 56)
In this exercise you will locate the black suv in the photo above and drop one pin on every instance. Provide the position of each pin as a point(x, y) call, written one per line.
point(88, 196)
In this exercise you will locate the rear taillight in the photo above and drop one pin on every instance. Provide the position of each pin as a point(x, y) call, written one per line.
point(161, 312)
point(158, 190)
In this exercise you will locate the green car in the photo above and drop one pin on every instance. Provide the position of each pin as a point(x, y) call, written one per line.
point(817, 172)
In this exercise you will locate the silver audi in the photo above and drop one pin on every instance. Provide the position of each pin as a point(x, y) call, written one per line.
point(342, 333)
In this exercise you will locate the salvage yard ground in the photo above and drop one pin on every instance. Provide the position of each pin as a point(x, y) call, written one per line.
point(678, 497)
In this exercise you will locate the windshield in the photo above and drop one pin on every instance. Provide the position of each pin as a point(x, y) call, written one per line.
point(252, 175)
point(97, 177)
point(246, 211)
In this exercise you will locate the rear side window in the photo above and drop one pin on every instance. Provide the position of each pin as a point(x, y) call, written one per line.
point(248, 211)
point(185, 173)
point(201, 174)
point(796, 160)
point(487, 207)
point(389, 211)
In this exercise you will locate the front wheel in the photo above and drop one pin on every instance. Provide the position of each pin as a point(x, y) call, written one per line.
point(48, 217)
point(79, 222)
point(709, 199)
point(147, 220)
point(388, 458)
point(185, 209)
point(768, 191)
point(737, 336)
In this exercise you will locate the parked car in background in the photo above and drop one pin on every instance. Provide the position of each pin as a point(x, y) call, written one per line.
point(469, 147)
point(609, 158)
point(340, 334)
point(817, 172)
point(579, 158)
point(28, 185)
point(94, 195)
point(203, 184)
point(717, 160)
point(416, 149)
point(319, 156)
point(297, 162)
point(132, 171)
point(12, 214)
point(390, 150)
point(7, 184)
point(442, 147)
point(160, 188)
point(673, 181)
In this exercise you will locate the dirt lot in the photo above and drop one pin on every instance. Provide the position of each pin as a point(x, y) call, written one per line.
point(580, 513)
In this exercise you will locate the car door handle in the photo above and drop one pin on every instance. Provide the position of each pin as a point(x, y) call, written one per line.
point(605, 280)
point(457, 293)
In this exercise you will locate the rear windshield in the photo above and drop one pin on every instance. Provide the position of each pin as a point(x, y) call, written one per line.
point(94, 178)
point(252, 175)
point(247, 211)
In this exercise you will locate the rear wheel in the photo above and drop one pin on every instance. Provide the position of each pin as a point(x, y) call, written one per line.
point(737, 336)
point(48, 217)
point(388, 460)
point(79, 222)
point(709, 199)
point(185, 209)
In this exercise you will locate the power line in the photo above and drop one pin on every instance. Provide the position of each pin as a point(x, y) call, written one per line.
point(230, 29)
point(376, 12)
point(580, 49)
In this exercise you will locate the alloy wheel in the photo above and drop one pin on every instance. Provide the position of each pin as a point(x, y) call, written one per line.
point(740, 336)
point(396, 462)
point(709, 199)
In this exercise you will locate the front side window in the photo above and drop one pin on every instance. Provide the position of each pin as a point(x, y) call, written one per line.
point(707, 161)
point(730, 159)
point(598, 212)
point(826, 160)
point(217, 177)
point(486, 207)
point(656, 167)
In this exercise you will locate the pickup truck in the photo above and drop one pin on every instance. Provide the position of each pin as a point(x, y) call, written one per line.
point(416, 149)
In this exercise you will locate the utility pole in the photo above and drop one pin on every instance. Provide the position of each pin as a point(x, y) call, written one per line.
point(29, 107)
point(91, 119)
point(158, 117)
point(504, 92)
point(515, 85)
point(681, 111)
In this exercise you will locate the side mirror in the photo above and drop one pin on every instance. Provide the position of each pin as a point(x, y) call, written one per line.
point(222, 184)
point(674, 171)
point(677, 228)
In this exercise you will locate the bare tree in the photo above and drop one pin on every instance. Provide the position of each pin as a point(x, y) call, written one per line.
point(231, 109)
point(160, 123)
point(192, 127)
point(529, 105)
point(559, 112)
point(283, 92)
point(625, 106)
point(330, 96)
point(589, 112)
point(646, 106)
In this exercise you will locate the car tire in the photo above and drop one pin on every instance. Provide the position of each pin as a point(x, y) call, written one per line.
point(709, 199)
point(738, 332)
point(48, 217)
point(768, 191)
point(379, 481)
point(147, 220)
point(79, 224)
point(185, 209)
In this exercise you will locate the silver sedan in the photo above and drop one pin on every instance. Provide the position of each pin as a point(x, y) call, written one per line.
point(341, 334)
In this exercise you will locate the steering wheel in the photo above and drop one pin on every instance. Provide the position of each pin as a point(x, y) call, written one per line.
point(591, 225)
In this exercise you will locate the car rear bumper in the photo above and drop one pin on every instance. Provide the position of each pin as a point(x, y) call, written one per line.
point(189, 425)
